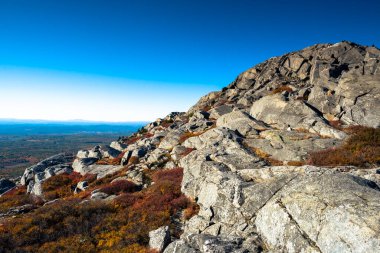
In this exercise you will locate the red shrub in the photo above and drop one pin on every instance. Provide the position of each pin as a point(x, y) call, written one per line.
point(89, 178)
point(175, 175)
point(281, 89)
point(119, 187)
point(336, 124)
point(132, 139)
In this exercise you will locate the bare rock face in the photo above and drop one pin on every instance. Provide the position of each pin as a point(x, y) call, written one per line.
point(322, 212)
point(277, 112)
point(284, 109)
point(324, 82)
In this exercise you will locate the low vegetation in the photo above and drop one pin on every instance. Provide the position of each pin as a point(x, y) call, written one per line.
point(76, 225)
point(281, 89)
point(187, 135)
point(362, 149)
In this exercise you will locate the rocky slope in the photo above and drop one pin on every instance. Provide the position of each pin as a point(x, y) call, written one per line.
point(245, 152)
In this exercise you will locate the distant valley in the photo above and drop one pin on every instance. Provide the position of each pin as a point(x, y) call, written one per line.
point(23, 143)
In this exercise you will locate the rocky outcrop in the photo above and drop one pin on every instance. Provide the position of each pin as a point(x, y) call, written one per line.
point(36, 174)
point(277, 112)
point(334, 82)
point(284, 109)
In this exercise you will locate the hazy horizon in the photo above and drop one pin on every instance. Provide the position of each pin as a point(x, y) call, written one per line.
point(123, 61)
point(73, 121)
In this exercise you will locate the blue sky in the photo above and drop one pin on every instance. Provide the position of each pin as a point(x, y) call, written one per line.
point(138, 60)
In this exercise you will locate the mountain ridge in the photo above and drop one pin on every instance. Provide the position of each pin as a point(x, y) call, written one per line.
point(283, 159)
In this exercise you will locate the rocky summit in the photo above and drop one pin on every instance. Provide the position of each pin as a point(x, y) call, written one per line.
point(284, 159)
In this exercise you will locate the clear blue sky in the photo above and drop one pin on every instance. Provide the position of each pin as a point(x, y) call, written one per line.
point(137, 60)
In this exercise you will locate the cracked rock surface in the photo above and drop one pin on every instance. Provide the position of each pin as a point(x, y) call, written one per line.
point(284, 108)
point(228, 144)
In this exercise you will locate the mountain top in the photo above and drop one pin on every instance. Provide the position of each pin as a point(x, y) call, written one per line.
point(284, 159)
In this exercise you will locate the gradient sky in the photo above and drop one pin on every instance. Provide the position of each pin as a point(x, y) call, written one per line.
point(138, 60)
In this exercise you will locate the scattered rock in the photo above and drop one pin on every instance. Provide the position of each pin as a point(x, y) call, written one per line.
point(36, 174)
point(81, 186)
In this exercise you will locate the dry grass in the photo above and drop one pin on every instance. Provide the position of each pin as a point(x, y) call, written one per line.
point(266, 157)
point(361, 149)
point(281, 89)
point(336, 124)
point(295, 163)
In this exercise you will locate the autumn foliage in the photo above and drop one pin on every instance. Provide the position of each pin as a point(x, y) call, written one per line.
point(60, 186)
point(281, 89)
point(121, 225)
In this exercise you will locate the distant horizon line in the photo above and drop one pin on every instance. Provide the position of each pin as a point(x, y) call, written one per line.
point(80, 121)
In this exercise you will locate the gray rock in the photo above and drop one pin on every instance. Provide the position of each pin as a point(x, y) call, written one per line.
point(171, 140)
point(109, 152)
point(82, 154)
point(177, 152)
point(95, 152)
point(158, 157)
point(159, 238)
point(290, 145)
point(99, 195)
point(217, 112)
point(180, 246)
point(36, 174)
point(81, 165)
point(240, 121)
point(136, 176)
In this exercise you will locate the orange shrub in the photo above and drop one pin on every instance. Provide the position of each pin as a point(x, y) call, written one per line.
point(120, 186)
point(133, 160)
point(281, 89)
point(190, 211)
point(187, 151)
point(266, 157)
point(295, 163)
point(362, 149)
point(132, 139)
point(18, 197)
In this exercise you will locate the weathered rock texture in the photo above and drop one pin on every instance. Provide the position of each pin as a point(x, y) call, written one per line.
point(36, 174)
point(285, 108)
point(228, 143)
